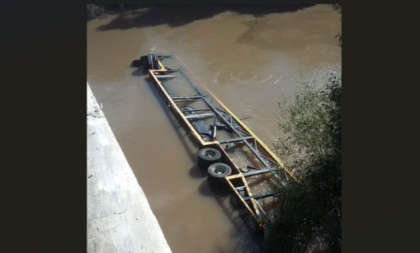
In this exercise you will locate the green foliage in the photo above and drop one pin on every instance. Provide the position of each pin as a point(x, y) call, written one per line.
point(308, 120)
point(309, 217)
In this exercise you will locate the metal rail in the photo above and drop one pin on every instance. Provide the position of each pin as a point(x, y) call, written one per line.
point(236, 139)
point(257, 172)
point(263, 161)
point(262, 195)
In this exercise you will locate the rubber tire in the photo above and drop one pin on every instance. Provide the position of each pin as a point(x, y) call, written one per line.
point(204, 161)
point(216, 179)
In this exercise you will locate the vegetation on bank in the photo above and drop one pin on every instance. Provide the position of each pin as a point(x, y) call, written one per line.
point(309, 217)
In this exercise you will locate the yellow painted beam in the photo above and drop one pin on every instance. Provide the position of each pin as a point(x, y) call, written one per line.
point(243, 201)
point(244, 126)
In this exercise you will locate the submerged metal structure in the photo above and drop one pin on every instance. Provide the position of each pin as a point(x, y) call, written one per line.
point(212, 124)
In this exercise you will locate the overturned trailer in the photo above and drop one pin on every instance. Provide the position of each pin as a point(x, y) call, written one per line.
point(211, 124)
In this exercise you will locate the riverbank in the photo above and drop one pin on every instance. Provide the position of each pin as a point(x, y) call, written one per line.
point(119, 218)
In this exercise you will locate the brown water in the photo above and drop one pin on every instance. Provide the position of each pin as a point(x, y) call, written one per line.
point(247, 56)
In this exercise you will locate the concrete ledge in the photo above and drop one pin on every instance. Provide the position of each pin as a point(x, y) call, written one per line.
point(119, 218)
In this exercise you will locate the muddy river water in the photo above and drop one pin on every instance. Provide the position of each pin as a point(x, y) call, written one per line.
point(247, 56)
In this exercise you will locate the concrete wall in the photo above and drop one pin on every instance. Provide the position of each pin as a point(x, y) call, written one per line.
point(119, 218)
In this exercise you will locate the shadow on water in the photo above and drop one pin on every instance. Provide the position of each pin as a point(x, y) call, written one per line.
point(174, 121)
point(138, 73)
point(197, 172)
point(204, 189)
point(242, 235)
point(175, 15)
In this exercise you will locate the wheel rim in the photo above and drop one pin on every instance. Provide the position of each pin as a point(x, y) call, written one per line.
point(209, 154)
point(219, 170)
